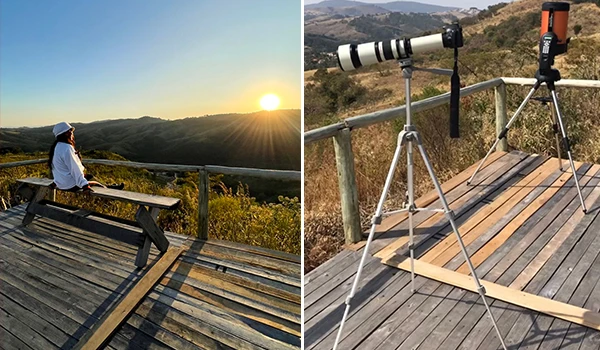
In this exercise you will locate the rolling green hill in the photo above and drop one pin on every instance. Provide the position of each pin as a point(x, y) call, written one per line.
point(269, 140)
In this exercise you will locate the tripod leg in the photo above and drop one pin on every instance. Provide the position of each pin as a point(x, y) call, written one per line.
point(376, 221)
point(505, 131)
point(450, 216)
point(567, 146)
point(556, 131)
point(411, 207)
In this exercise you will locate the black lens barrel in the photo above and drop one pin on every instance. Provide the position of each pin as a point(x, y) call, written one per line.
point(354, 56)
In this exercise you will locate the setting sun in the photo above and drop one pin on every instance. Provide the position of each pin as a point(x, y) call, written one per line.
point(269, 102)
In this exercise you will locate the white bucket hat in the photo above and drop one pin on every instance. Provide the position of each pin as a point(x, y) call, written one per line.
point(61, 127)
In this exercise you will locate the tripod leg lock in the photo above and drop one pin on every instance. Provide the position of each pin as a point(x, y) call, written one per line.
point(349, 300)
point(567, 145)
point(411, 247)
point(503, 133)
point(450, 214)
point(376, 220)
point(481, 290)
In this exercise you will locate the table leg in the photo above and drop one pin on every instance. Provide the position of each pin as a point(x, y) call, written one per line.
point(40, 194)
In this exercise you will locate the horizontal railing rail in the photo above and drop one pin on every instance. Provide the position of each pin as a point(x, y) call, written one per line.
point(203, 180)
point(340, 132)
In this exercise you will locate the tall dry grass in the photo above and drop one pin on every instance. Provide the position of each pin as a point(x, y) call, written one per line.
point(233, 214)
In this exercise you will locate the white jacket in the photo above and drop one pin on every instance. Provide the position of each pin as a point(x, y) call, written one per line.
point(67, 168)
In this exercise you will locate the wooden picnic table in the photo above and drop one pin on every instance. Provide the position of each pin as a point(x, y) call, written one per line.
point(126, 231)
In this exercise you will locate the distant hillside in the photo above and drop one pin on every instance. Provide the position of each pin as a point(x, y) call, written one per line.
point(329, 24)
point(260, 140)
point(331, 6)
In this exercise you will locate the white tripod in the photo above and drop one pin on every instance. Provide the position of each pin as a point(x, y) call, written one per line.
point(408, 136)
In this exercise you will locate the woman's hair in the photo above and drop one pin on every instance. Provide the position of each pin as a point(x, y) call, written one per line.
point(60, 138)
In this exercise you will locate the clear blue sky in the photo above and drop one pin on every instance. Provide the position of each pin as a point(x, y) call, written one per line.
point(80, 61)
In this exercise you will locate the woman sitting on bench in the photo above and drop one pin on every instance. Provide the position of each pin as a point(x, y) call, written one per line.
point(65, 163)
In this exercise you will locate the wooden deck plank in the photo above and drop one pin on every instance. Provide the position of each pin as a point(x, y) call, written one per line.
point(483, 328)
point(277, 276)
point(505, 255)
point(9, 341)
point(566, 291)
point(535, 257)
point(427, 199)
point(460, 206)
point(253, 327)
point(496, 291)
point(500, 225)
point(87, 274)
point(109, 324)
point(41, 326)
point(240, 281)
point(342, 262)
point(381, 292)
point(22, 331)
point(488, 176)
point(257, 251)
point(274, 325)
point(193, 329)
point(400, 331)
point(346, 327)
point(341, 277)
point(221, 320)
point(154, 332)
point(483, 219)
point(499, 239)
point(371, 272)
point(248, 297)
point(578, 297)
point(137, 339)
point(243, 257)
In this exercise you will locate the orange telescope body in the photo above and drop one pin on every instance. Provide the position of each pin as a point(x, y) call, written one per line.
point(555, 18)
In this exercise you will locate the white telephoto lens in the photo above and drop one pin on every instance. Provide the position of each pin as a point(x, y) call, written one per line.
point(426, 43)
point(344, 57)
point(366, 54)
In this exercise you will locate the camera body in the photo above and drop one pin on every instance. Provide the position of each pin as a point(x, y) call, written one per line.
point(352, 56)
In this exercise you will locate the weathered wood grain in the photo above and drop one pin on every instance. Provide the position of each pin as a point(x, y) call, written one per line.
point(109, 324)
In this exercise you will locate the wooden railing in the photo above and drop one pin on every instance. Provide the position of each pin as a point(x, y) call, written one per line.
point(342, 140)
point(203, 181)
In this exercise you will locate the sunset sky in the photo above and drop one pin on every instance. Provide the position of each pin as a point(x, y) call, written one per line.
point(81, 61)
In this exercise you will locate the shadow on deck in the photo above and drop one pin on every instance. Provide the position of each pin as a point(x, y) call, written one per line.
point(57, 281)
point(524, 229)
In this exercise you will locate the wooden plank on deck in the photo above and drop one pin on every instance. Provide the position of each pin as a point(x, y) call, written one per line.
point(109, 324)
point(540, 304)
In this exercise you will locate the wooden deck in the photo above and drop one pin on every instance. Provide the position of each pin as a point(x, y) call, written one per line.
point(523, 226)
point(56, 282)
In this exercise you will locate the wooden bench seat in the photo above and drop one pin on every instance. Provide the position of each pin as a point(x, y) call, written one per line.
point(120, 229)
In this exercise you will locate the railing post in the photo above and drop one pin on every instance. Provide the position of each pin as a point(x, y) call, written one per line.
point(203, 204)
point(347, 181)
point(500, 93)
